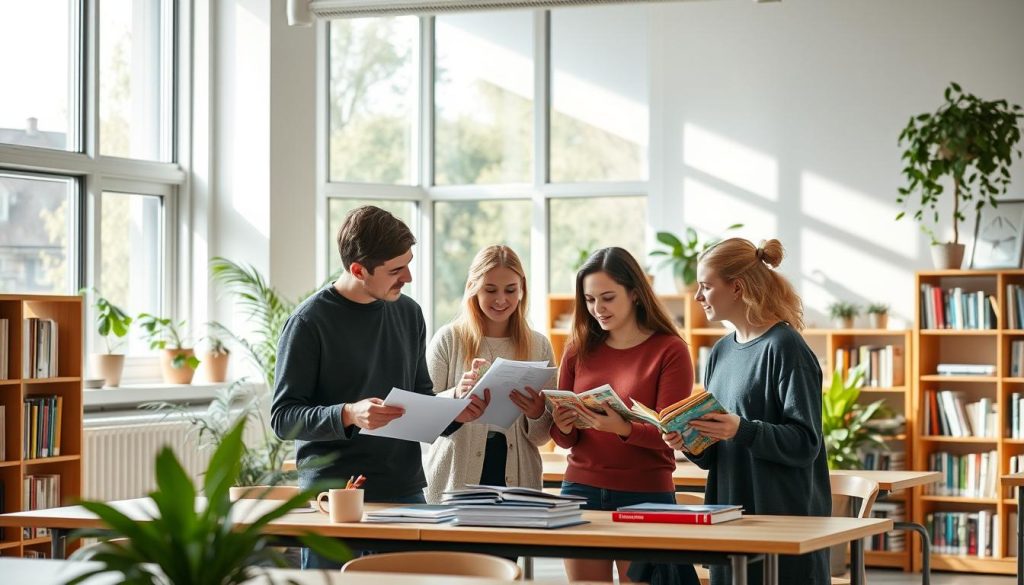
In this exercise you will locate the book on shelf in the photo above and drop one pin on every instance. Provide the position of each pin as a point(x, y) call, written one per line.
point(420, 513)
point(947, 414)
point(41, 432)
point(965, 369)
point(39, 359)
point(973, 534)
point(40, 491)
point(678, 513)
point(884, 365)
point(879, 460)
point(5, 349)
point(1014, 306)
point(955, 308)
point(970, 475)
point(673, 418)
point(894, 540)
point(3, 433)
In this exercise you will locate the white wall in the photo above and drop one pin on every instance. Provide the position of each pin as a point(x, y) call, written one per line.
point(786, 116)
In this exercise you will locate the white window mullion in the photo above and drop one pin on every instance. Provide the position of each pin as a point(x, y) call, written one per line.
point(424, 289)
point(323, 75)
point(541, 146)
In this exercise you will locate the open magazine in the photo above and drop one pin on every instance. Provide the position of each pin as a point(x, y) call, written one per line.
point(674, 417)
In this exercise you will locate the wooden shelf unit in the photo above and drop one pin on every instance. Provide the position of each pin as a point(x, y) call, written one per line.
point(698, 332)
point(67, 312)
point(990, 346)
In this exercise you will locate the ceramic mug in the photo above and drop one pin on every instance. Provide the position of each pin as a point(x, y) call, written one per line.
point(342, 505)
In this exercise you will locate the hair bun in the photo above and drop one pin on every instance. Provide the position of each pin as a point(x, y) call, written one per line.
point(771, 252)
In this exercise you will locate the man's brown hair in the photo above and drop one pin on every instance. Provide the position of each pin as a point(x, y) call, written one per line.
point(371, 236)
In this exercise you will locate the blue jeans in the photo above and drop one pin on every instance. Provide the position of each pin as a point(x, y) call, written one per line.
point(608, 500)
point(311, 560)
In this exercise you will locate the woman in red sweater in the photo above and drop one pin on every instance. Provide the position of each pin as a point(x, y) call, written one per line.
point(624, 337)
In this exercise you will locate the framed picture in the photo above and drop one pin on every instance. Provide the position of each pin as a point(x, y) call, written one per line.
point(999, 235)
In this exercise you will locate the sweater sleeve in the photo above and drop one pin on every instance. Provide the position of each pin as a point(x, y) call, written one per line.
point(538, 430)
point(566, 379)
point(797, 439)
point(293, 411)
point(439, 356)
point(675, 382)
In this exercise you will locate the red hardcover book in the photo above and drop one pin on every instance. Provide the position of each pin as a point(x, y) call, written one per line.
point(677, 513)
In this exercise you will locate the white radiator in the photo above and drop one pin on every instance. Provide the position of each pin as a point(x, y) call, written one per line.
point(120, 454)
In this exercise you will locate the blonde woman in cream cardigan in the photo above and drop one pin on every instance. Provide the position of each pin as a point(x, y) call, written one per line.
point(491, 324)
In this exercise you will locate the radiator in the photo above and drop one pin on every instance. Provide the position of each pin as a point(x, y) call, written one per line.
point(120, 455)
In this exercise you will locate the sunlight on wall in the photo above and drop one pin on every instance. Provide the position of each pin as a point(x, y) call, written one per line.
point(250, 146)
point(709, 211)
point(590, 103)
point(730, 161)
point(858, 214)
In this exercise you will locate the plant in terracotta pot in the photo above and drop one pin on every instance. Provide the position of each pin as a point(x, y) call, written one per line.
point(681, 255)
point(215, 354)
point(178, 361)
point(843, 314)
point(969, 142)
point(112, 324)
point(879, 315)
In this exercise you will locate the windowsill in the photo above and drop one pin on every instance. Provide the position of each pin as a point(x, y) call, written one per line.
point(135, 394)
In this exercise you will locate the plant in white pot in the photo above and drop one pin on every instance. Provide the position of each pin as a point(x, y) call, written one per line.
point(112, 324)
point(177, 361)
point(968, 141)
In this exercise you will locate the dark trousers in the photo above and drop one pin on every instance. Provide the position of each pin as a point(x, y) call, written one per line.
point(495, 456)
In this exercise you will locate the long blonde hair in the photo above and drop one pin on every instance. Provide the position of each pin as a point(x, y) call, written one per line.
point(620, 265)
point(768, 296)
point(469, 324)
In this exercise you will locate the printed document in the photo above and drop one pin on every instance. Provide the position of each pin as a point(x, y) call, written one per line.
point(501, 378)
point(424, 419)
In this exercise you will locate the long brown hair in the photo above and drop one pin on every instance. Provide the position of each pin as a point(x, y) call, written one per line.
point(768, 296)
point(621, 267)
point(469, 324)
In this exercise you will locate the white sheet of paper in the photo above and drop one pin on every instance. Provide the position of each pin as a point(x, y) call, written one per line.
point(424, 419)
point(501, 378)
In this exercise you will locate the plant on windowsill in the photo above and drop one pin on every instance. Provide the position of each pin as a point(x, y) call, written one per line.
point(879, 315)
point(112, 324)
point(969, 141)
point(681, 255)
point(186, 544)
point(843, 314)
point(215, 354)
point(178, 361)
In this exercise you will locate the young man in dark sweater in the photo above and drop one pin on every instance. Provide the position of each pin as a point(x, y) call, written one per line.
point(341, 352)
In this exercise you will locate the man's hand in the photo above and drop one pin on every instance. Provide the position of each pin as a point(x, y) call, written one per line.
point(717, 425)
point(475, 409)
point(369, 413)
point(610, 421)
point(470, 378)
point(531, 403)
point(564, 418)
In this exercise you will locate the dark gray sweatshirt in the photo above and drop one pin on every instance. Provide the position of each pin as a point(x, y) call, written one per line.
point(335, 351)
point(776, 462)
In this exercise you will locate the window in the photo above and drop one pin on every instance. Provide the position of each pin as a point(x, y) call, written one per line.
point(463, 228)
point(135, 78)
point(581, 225)
point(39, 41)
point(36, 237)
point(372, 99)
point(484, 98)
point(339, 208)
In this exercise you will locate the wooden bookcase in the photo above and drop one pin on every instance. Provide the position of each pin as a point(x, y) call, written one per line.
point(67, 312)
point(698, 332)
point(991, 346)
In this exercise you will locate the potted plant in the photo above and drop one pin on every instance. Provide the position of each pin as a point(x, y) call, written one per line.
point(681, 255)
point(178, 361)
point(112, 324)
point(186, 544)
point(843, 314)
point(969, 141)
point(879, 315)
point(215, 355)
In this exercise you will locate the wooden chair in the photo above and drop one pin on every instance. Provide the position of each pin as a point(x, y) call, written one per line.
point(689, 498)
point(859, 488)
point(437, 563)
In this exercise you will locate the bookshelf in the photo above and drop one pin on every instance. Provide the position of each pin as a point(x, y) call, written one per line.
point(983, 346)
point(699, 333)
point(16, 387)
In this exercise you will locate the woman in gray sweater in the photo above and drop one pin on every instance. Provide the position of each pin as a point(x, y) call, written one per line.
point(491, 324)
point(770, 457)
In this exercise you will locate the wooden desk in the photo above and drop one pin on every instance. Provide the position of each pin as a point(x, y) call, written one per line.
point(686, 474)
point(56, 572)
point(1017, 480)
point(735, 543)
point(890, 481)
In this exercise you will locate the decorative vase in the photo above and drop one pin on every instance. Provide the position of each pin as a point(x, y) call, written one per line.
point(844, 322)
point(879, 320)
point(215, 366)
point(947, 256)
point(173, 375)
point(108, 366)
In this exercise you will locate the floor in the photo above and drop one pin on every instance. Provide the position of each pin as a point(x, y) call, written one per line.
point(551, 572)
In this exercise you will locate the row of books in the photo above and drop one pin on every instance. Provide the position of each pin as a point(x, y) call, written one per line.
point(946, 413)
point(956, 309)
point(884, 364)
point(41, 436)
point(884, 460)
point(4, 349)
point(1016, 422)
point(973, 534)
point(972, 475)
point(1014, 306)
point(40, 348)
point(894, 540)
point(3, 432)
point(40, 491)
point(1017, 358)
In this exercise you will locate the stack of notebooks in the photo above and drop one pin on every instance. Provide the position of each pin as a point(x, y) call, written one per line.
point(678, 513)
point(418, 513)
point(514, 507)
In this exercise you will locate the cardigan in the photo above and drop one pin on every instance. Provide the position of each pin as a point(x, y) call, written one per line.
point(457, 460)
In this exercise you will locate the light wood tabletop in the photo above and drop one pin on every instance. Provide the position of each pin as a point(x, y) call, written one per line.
point(1012, 479)
point(891, 481)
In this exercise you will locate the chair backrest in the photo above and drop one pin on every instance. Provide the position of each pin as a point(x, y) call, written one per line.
point(437, 563)
point(853, 486)
point(689, 498)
